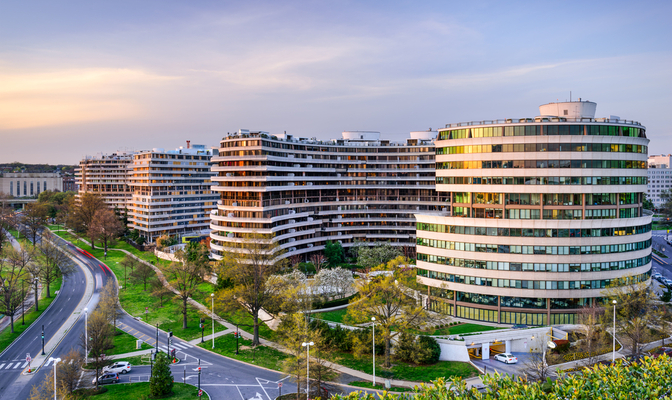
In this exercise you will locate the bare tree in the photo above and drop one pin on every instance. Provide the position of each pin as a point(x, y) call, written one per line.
point(100, 340)
point(129, 262)
point(536, 368)
point(105, 227)
point(12, 269)
point(83, 212)
point(142, 273)
point(318, 261)
point(295, 260)
point(185, 276)
point(589, 318)
point(53, 262)
point(34, 219)
point(70, 371)
point(109, 305)
point(248, 269)
point(160, 291)
point(45, 390)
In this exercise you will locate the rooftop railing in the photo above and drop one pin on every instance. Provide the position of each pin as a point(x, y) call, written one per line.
point(542, 119)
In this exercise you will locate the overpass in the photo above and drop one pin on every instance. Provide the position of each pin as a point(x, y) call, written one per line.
point(16, 202)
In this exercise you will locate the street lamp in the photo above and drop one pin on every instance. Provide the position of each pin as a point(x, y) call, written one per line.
point(373, 319)
point(613, 352)
point(86, 335)
point(212, 296)
point(307, 346)
point(55, 361)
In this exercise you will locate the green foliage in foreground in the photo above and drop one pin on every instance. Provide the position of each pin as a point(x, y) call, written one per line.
point(649, 379)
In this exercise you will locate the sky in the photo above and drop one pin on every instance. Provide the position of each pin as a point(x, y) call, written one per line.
point(79, 78)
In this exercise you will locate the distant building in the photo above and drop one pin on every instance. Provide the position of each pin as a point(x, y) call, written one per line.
point(106, 175)
point(170, 192)
point(19, 184)
point(660, 177)
point(69, 184)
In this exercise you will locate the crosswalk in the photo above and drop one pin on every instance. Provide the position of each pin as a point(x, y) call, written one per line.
point(49, 362)
point(6, 365)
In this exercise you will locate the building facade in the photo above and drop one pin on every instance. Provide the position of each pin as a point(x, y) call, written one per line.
point(19, 184)
point(106, 175)
point(546, 213)
point(660, 177)
point(171, 192)
point(305, 192)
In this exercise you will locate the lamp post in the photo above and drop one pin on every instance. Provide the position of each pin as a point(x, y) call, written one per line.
point(613, 352)
point(307, 346)
point(212, 296)
point(373, 319)
point(86, 335)
point(23, 305)
point(55, 361)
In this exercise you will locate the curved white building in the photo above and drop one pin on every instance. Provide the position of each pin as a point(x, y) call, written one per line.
point(306, 192)
point(546, 213)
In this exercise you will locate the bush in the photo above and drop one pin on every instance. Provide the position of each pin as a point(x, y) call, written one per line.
point(562, 346)
point(333, 303)
point(421, 350)
point(307, 268)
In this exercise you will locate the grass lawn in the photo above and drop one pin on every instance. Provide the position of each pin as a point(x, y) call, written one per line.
point(141, 391)
point(124, 343)
point(369, 385)
point(263, 356)
point(6, 337)
point(333, 316)
point(406, 372)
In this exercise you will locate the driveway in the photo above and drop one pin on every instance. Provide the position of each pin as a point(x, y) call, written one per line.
point(492, 365)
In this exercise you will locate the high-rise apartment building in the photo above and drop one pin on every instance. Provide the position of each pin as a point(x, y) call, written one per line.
point(546, 213)
point(107, 176)
point(171, 192)
point(660, 177)
point(305, 192)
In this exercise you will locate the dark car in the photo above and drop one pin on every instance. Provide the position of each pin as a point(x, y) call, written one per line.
point(108, 377)
point(662, 350)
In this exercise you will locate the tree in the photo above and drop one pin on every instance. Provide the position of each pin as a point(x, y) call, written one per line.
point(334, 253)
point(70, 371)
point(160, 291)
point(53, 262)
point(248, 270)
point(105, 227)
point(318, 261)
point(142, 273)
point(421, 350)
point(666, 203)
point(647, 204)
point(380, 254)
point(12, 270)
point(129, 262)
point(336, 282)
point(34, 219)
point(185, 276)
point(636, 312)
point(536, 368)
point(100, 340)
point(109, 305)
point(383, 298)
point(161, 381)
point(83, 212)
point(45, 390)
point(595, 337)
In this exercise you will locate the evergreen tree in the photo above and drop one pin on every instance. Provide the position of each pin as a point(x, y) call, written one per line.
point(161, 382)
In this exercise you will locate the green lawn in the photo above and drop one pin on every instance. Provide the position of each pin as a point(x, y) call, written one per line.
point(406, 372)
point(6, 337)
point(134, 299)
point(124, 343)
point(141, 391)
point(333, 316)
point(262, 356)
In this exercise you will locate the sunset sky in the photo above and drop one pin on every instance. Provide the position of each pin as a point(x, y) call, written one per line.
point(82, 77)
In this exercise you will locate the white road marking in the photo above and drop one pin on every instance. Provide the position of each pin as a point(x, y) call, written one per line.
point(24, 364)
point(17, 365)
point(47, 364)
point(2, 365)
point(9, 365)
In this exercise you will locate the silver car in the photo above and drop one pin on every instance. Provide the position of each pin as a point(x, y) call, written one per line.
point(119, 367)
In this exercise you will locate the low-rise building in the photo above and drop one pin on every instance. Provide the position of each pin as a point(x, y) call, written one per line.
point(20, 184)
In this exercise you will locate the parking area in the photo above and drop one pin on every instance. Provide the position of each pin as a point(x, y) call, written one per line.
point(491, 365)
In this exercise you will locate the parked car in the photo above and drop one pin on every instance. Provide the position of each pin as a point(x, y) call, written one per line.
point(107, 377)
point(506, 358)
point(119, 367)
point(662, 350)
point(657, 276)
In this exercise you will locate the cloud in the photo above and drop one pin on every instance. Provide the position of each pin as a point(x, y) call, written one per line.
point(29, 100)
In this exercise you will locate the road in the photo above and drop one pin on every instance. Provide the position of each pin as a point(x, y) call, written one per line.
point(13, 359)
point(221, 377)
point(659, 242)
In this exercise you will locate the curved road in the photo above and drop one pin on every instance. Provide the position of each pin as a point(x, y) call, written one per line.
point(221, 377)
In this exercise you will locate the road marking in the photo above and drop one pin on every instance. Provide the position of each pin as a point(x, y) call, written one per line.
point(9, 365)
point(17, 365)
point(47, 364)
point(2, 365)
point(241, 394)
point(24, 364)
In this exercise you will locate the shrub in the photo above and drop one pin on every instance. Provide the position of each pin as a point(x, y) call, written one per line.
point(161, 382)
point(428, 350)
point(562, 346)
point(405, 348)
